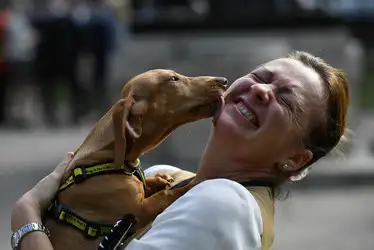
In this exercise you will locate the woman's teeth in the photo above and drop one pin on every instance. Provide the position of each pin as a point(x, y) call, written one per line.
point(247, 114)
point(244, 110)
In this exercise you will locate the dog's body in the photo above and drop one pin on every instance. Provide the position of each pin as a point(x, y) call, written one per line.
point(152, 105)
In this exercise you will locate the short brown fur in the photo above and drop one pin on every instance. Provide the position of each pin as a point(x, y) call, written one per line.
point(152, 105)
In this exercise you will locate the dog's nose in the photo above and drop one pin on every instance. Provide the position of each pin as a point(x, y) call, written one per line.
point(221, 80)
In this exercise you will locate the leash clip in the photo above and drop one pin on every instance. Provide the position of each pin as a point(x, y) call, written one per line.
point(79, 175)
point(119, 233)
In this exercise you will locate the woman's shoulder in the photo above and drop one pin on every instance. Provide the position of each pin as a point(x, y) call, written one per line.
point(226, 197)
point(218, 203)
point(218, 190)
point(215, 214)
point(223, 194)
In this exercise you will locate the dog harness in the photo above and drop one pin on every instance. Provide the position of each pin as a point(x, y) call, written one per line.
point(63, 214)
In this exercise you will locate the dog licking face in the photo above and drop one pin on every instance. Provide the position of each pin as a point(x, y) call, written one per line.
point(162, 100)
point(151, 106)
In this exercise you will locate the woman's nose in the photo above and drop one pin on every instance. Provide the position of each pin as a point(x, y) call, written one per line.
point(261, 93)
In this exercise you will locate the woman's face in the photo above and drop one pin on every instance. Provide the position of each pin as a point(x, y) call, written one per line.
point(266, 112)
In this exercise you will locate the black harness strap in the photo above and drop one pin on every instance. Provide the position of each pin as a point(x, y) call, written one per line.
point(256, 183)
point(182, 183)
point(63, 214)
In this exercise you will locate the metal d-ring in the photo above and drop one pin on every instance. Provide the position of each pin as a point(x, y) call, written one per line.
point(129, 173)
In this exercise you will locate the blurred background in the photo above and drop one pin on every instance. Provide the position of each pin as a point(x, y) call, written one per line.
point(63, 63)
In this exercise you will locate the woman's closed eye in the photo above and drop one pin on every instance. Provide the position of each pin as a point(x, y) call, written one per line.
point(286, 102)
point(286, 97)
point(257, 78)
point(280, 96)
point(293, 106)
point(283, 94)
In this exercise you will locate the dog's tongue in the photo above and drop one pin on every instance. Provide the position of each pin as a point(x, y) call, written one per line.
point(221, 103)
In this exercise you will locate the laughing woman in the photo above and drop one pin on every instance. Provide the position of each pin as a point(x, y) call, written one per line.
point(276, 122)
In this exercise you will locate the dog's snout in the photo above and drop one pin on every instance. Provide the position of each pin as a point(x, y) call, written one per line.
point(221, 80)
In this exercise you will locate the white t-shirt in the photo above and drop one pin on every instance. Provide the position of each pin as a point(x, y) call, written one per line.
point(216, 214)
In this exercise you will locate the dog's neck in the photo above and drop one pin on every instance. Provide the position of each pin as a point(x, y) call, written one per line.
point(149, 139)
point(98, 147)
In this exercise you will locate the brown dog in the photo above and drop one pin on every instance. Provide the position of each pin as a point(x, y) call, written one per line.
point(152, 105)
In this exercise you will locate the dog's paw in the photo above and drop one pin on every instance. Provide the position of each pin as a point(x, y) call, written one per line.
point(166, 177)
point(157, 182)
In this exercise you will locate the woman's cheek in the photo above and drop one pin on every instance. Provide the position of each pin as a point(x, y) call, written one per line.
point(278, 118)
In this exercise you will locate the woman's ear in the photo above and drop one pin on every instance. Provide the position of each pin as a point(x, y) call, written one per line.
point(297, 161)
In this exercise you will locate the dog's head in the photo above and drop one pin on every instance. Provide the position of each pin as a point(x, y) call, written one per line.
point(161, 100)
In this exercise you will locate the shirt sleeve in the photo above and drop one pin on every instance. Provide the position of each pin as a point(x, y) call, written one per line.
point(216, 214)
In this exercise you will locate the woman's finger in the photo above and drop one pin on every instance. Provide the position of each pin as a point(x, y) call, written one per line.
point(64, 164)
point(44, 191)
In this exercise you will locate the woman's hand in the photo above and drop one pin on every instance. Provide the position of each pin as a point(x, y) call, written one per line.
point(30, 206)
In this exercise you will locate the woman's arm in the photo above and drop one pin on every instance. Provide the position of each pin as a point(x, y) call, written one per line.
point(25, 212)
point(216, 214)
point(29, 208)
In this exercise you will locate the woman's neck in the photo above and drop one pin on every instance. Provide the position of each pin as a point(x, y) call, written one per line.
point(218, 162)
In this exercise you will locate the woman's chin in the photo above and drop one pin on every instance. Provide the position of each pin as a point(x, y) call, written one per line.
point(224, 123)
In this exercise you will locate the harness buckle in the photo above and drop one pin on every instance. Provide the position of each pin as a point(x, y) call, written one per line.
point(58, 211)
point(92, 230)
point(79, 175)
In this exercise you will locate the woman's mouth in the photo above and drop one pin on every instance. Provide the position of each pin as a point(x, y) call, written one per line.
point(248, 114)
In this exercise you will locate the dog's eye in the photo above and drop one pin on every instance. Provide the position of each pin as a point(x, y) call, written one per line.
point(174, 79)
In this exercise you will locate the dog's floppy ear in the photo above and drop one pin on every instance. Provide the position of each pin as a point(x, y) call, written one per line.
point(134, 121)
point(126, 117)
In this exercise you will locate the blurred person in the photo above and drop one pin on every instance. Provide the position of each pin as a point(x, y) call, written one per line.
point(145, 11)
point(122, 12)
point(3, 67)
point(18, 42)
point(239, 12)
point(97, 27)
point(102, 28)
point(57, 58)
point(273, 125)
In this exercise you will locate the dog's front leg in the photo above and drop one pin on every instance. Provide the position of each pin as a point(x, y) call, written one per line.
point(157, 183)
point(157, 203)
